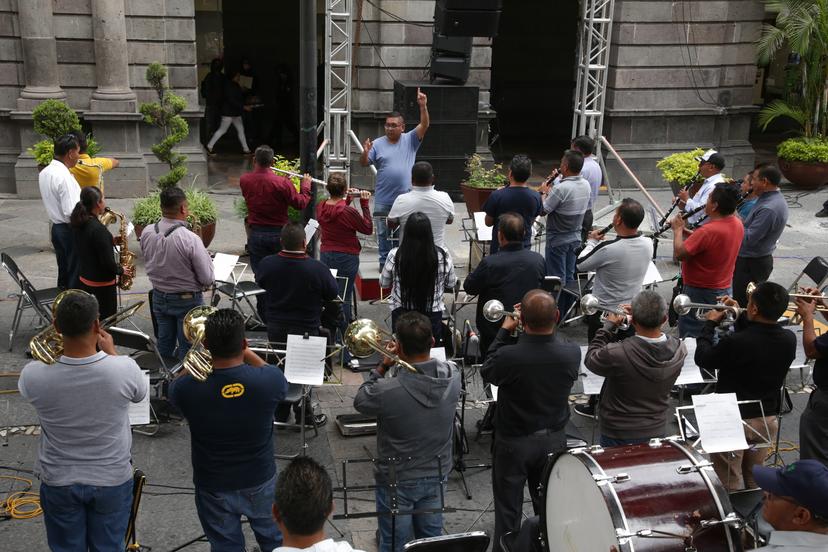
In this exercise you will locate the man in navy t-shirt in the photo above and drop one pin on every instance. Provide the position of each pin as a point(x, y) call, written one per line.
point(517, 198)
point(393, 155)
point(231, 428)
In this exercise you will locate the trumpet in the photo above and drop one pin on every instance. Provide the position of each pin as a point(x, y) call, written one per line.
point(682, 304)
point(198, 360)
point(362, 338)
point(795, 319)
point(590, 305)
point(47, 346)
point(494, 311)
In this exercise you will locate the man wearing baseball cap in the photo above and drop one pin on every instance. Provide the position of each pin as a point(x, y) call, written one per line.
point(796, 505)
point(711, 164)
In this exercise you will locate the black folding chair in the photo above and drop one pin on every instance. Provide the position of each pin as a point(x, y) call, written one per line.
point(28, 297)
point(816, 270)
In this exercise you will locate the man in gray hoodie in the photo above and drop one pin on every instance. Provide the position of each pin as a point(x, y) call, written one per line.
point(639, 372)
point(415, 420)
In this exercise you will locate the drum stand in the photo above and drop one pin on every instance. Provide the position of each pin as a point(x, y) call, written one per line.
point(392, 486)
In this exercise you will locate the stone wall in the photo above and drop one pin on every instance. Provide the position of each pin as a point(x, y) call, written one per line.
point(681, 76)
point(102, 50)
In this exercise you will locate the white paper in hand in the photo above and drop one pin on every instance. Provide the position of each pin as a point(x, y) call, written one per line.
point(484, 233)
point(223, 265)
point(310, 229)
point(139, 413)
point(494, 391)
point(305, 360)
point(719, 421)
point(690, 373)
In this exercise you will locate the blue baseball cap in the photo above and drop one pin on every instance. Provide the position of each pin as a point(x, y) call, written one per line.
point(805, 481)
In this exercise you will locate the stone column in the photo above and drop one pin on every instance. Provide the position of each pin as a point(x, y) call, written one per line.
point(111, 64)
point(39, 54)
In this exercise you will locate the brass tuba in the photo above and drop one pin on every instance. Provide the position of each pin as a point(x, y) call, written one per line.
point(362, 338)
point(47, 346)
point(197, 360)
point(126, 258)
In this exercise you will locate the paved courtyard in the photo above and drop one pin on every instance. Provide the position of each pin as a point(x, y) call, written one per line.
point(168, 518)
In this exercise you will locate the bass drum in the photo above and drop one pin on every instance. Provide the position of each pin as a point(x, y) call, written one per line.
point(650, 497)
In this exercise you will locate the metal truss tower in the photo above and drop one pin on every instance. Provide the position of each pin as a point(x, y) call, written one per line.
point(338, 56)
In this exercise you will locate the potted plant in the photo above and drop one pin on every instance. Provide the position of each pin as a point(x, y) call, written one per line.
point(165, 114)
point(481, 183)
point(803, 27)
point(52, 119)
point(680, 169)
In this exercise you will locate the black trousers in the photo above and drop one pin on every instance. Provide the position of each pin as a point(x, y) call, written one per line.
point(813, 428)
point(516, 461)
point(107, 297)
point(750, 269)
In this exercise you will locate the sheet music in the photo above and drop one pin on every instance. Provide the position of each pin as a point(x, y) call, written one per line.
point(493, 388)
point(305, 359)
point(652, 275)
point(223, 265)
point(719, 421)
point(690, 373)
point(334, 272)
point(310, 229)
point(801, 360)
point(130, 229)
point(438, 353)
point(139, 413)
point(484, 233)
point(246, 81)
point(592, 382)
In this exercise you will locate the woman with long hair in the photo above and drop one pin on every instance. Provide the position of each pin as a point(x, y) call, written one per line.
point(339, 223)
point(98, 269)
point(418, 273)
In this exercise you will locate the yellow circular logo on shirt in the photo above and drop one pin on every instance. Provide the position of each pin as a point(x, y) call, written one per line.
point(232, 391)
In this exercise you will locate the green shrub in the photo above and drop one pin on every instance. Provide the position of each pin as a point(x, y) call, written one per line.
point(680, 167)
point(292, 165)
point(809, 150)
point(147, 210)
point(53, 119)
point(481, 177)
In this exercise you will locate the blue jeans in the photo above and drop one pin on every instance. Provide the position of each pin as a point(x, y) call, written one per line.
point(169, 310)
point(560, 261)
point(383, 245)
point(412, 495)
point(347, 266)
point(64, 243)
point(220, 515)
point(80, 517)
point(611, 442)
point(689, 325)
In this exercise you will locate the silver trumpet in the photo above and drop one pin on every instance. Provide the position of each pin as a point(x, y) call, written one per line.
point(590, 305)
point(494, 311)
point(682, 304)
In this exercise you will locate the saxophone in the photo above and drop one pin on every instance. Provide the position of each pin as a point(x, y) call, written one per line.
point(126, 258)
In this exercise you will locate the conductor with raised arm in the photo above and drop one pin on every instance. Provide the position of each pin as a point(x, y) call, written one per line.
point(393, 155)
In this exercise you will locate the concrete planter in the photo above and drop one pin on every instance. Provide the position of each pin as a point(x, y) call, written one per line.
point(475, 198)
point(808, 176)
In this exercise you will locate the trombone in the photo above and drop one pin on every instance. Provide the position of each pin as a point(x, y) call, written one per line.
point(362, 338)
point(682, 304)
point(590, 305)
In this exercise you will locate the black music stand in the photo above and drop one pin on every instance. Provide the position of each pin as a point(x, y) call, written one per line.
point(461, 443)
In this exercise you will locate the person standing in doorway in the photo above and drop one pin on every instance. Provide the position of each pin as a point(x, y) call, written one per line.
point(232, 108)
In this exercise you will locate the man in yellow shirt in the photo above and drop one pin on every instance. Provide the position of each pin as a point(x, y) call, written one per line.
point(89, 170)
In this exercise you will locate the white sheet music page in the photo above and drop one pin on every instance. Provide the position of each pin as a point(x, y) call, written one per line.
point(690, 373)
point(719, 421)
point(484, 233)
point(493, 389)
point(139, 413)
point(223, 265)
point(438, 353)
point(305, 359)
point(652, 276)
point(310, 229)
point(592, 382)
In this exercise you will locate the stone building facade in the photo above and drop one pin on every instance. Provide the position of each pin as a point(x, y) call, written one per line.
point(681, 75)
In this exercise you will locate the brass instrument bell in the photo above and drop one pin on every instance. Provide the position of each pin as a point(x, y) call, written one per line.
point(198, 360)
point(363, 337)
point(682, 304)
point(590, 304)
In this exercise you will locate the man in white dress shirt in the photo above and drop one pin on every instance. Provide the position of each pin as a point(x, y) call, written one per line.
point(711, 164)
point(437, 206)
point(61, 192)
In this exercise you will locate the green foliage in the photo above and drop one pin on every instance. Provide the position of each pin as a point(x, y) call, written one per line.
point(803, 26)
point(279, 162)
point(165, 114)
point(240, 207)
point(43, 151)
point(680, 167)
point(53, 119)
point(147, 210)
point(481, 177)
point(809, 150)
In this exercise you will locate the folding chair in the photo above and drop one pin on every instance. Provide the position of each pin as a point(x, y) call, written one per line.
point(238, 290)
point(28, 297)
point(816, 270)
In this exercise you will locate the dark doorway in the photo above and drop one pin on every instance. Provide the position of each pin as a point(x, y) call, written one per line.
point(533, 77)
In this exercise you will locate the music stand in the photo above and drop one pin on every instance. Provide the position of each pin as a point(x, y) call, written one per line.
point(461, 440)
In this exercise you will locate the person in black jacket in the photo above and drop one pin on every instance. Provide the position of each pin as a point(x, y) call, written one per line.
point(93, 245)
point(212, 90)
point(751, 362)
point(506, 275)
point(535, 376)
point(232, 107)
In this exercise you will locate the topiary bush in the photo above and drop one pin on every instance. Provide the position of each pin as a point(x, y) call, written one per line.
point(165, 114)
point(680, 167)
point(53, 119)
point(808, 150)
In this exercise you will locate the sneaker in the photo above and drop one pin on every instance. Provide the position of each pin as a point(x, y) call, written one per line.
point(313, 420)
point(210, 152)
point(585, 410)
point(822, 213)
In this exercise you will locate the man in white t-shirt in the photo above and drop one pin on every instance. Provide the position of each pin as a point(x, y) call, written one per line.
point(83, 459)
point(304, 500)
point(591, 171)
point(437, 206)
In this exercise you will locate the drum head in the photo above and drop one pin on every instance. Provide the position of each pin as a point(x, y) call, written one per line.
point(577, 516)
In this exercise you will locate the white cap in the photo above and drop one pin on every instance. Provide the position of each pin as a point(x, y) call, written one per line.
point(707, 155)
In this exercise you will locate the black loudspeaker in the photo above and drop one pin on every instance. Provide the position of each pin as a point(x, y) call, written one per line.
point(448, 139)
point(455, 69)
point(460, 46)
point(449, 172)
point(455, 22)
point(471, 4)
point(446, 102)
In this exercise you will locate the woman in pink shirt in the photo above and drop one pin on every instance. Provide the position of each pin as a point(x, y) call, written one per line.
point(339, 224)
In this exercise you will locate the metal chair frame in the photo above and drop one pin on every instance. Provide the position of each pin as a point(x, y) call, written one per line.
point(28, 297)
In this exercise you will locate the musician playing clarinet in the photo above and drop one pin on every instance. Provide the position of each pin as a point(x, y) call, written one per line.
point(711, 164)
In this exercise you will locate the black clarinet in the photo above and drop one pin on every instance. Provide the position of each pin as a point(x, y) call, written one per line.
point(606, 229)
point(684, 216)
point(742, 198)
point(676, 201)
